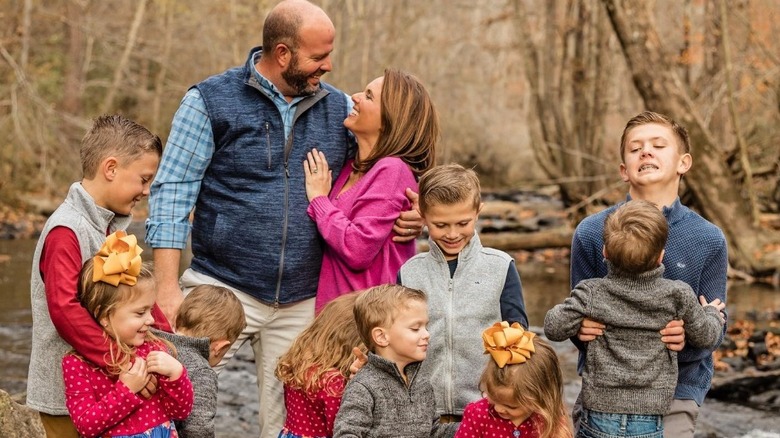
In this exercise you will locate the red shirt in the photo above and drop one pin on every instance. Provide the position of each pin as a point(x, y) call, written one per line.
point(481, 421)
point(60, 265)
point(100, 404)
point(313, 414)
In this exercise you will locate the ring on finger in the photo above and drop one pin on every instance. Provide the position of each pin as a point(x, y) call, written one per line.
point(314, 170)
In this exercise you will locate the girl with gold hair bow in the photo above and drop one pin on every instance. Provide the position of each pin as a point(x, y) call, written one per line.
point(118, 290)
point(522, 387)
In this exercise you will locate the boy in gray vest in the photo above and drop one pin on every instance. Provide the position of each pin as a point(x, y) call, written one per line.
point(468, 286)
point(119, 158)
point(208, 322)
point(629, 377)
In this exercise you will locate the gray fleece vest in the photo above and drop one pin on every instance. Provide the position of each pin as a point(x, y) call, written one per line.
point(459, 308)
point(45, 387)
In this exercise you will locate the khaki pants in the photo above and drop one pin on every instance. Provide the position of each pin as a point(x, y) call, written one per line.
point(58, 426)
point(270, 331)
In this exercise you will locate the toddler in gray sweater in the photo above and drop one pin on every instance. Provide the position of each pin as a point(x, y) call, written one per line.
point(388, 397)
point(208, 322)
point(629, 375)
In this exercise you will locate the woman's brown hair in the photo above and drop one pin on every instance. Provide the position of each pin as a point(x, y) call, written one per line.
point(410, 124)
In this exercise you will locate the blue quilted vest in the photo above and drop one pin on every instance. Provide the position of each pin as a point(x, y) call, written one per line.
point(251, 229)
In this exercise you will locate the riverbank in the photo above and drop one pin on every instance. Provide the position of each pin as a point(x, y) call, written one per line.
point(238, 407)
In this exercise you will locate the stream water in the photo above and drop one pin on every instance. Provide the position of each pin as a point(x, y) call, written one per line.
point(544, 286)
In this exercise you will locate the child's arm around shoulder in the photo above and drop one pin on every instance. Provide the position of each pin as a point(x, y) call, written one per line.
point(563, 321)
point(355, 416)
point(60, 267)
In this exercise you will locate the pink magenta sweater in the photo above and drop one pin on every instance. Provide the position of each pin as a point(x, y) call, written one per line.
point(101, 405)
point(357, 227)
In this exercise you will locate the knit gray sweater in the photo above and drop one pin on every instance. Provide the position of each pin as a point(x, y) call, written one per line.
point(193, 353)
point(378, 403)
point(628, 369)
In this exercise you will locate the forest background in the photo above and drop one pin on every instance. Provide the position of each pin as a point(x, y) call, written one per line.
point(532, 92)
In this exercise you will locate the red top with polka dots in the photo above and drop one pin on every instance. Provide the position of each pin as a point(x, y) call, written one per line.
point(480, 420)
point(101, 405)
point(313, 414)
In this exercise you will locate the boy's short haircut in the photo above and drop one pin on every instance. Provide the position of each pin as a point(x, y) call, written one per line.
point(634, 236)
point(212, 312)
point(647, 117)
point(380, 305)
point(449, 184)
point(115, 135)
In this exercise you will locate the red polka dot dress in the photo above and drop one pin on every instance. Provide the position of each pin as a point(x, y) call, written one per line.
point(101, 405)
point(312, 415)
point(480, 420)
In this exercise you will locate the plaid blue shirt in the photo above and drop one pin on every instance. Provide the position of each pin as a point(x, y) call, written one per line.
point(187, 155)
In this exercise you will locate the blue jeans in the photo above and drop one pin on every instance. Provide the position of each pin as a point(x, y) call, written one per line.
point(602, 425)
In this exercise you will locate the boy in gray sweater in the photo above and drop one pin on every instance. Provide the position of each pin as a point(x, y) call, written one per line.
point(208, 322)
point(388, 397)
point(630, 376)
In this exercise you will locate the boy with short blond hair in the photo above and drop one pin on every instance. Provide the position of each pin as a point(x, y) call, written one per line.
point(119, 158)
point(629, 377)
point(208, 322)
point(655, 155)
point(468, 286)
point(388, 397)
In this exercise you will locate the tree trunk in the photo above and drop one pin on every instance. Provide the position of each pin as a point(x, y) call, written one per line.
point(568, 78)
point(72, 89)
point(716, 193)
point(124, 60)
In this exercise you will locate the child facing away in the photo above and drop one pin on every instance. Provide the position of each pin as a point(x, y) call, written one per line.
point(118, 160)
point(468, 286)
point(103, 400)
point(630, 376)
point(208, 322)
point(522, 387)
point(315, 370)
point(389, 397)
point(655, 153)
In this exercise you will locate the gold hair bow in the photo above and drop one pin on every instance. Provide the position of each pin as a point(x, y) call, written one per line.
point(508, 344)
point(118, 261)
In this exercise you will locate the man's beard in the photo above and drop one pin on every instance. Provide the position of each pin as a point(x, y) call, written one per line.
point(298, 80)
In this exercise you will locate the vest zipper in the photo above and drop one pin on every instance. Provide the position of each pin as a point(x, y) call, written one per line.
point(268, 142)
point(284, 234)
point(448, 382)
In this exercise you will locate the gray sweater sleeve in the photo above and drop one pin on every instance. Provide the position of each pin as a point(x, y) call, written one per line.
point(200, 423)
point(563, 321)
point(703, 326)
point(355, 416)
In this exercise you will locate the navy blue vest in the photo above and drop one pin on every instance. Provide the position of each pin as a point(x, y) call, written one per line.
point(251, 229)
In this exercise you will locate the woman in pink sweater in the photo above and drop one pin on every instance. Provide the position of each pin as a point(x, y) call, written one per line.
point(396, 127)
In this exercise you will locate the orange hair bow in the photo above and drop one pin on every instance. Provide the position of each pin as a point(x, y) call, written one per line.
point(508, 344)
point(118, 261)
